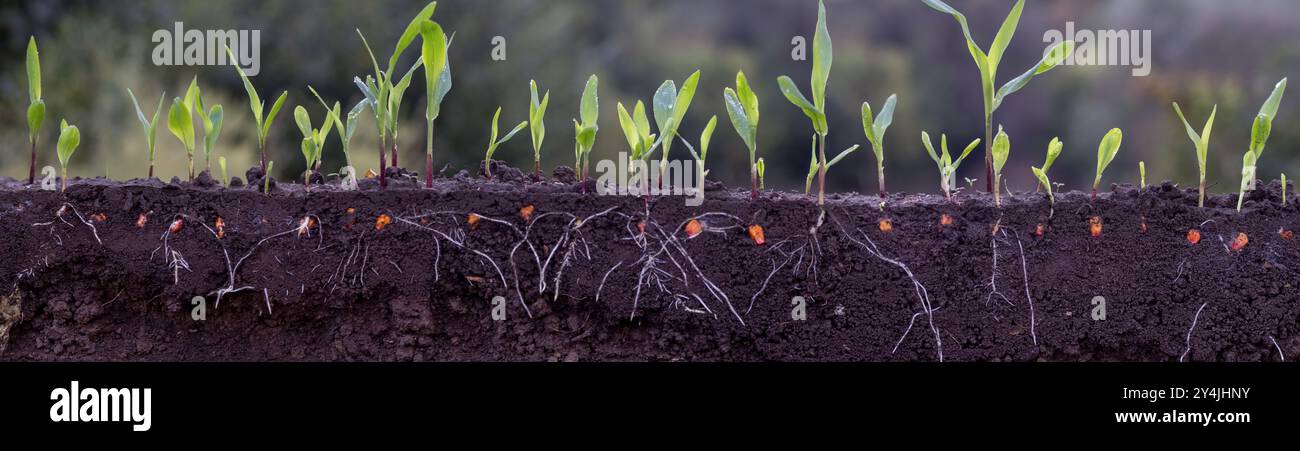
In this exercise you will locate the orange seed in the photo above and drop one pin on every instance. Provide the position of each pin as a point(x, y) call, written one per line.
point(945, 220)
point(383, 221)
point(1240, 241)
point(1286, 234)
point(693, 228)
point(1094, 226)
point(886, 225)
point(756, 233)
point(526, 212)
point(1193, 236)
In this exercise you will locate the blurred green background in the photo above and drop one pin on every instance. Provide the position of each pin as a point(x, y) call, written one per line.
point(1204, 52)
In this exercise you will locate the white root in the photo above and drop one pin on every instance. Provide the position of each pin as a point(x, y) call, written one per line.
point(1281, 356)
point(922, 294)
point(1189, 332)
point(1033, 322)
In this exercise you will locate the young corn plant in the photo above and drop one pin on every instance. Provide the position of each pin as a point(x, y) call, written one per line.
point(947, 166)
point(1001, 151)
point(259, 108)
point(988, 67)
point(670, 107)
point(1259, 133)
point(36, 107)
point(493, 142)
point(641, 143)
point(225, 176)
point(384, 94)
point(1053, 150)
point(344, 128)
point(761, 166)
point(1202, 143)
point(433, 49)
point(700, 157)
point(313, 141)
point(1105, 154)
point(150, 125)
point(536, 126)
point(1142, 175)
point(69, 139)
point(816, 109)
point(742, 108)
point(584, 131)
point(211, 120)
point(180, 121)
point(875, 127)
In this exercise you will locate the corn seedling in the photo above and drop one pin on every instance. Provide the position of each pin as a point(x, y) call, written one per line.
point(35, 109)
point(670, 107)
point(700, 157)
point(988, 68)
point(150, 125)
point(180, 121)
point(875, 127)
point(1142, 175)
point(816, 109)
point(1001, 151)
point(493, 142)
point(225, 176)
point(742, 108)
point(536, 126)
point(1053, 151)
point(947, 166)
point(641, 143)
point(584, 131)
point(433, 49)
point(1105, 153)
point(211, 120)
point(1202, 142)
point(815, 167)
point(344, 129)
point(761, 167)
point(313, 140)
point(1283, 189)
point(1259, 133)
point(385, 95)
point(69, 139)
point(259, 108)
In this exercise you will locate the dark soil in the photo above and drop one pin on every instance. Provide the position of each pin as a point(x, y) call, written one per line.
point(423, 287)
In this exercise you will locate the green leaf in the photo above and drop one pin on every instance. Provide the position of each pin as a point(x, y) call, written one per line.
point(1264, 121)
point(1001, 150)
point(684, 99)
point(303, 119)
point(796, 97)
point(867, 121)
point(212, 128)
point(822, 59)
point(886, 117)
point(275, 110)
point(976, 53)
point(522, 125)
point(254, 102)
point(1053, 150)
point(629, 129)
point(590, 111)
point(749, 100)
point(308, 151)
point(1004, 35)
point(739, 118)
point(642, 122)
point(33, 71)
point(35, 118)
point(69, 139)
point(1106, 152)
point(841, 156)
point(1053, 58)
point(181, 124)
point(707, 135)
point(536, 113)
point(664, 100)
point(966, 152)
point(415, 28)
point(1041, 175)
point(929, 148)
point(433, 51)
point(194, 97)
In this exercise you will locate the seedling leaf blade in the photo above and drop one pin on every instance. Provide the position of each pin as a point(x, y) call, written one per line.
point(1050, 60)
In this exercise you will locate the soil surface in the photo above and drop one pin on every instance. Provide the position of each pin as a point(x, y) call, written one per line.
point(514, 269)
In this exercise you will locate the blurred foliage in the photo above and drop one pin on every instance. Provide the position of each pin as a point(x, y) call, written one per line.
point(92, 51)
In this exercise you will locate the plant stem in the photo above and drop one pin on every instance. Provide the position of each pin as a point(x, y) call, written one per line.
point(264, 168)
point(383, 182)
point(537, 169)
point(64, 188)
point(31, 176)
point(880, 169)
point(753, 181)
point(394, 152)
point(1200, 203)
point(988, 152)
point(821, 171)
point(428, 161)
